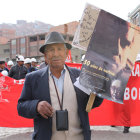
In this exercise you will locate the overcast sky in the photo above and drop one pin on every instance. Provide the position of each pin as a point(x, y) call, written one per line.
point(57, 12)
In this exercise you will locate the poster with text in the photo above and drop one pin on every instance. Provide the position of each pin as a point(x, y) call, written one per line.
point(112, 45)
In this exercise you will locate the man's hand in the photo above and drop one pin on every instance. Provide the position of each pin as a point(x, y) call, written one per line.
point(45, 109)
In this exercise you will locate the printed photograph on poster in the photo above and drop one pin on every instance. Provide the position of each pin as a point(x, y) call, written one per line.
point(110, 56)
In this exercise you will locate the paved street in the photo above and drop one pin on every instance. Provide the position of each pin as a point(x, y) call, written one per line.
point(99, 133)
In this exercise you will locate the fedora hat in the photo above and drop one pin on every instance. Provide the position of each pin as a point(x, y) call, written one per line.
point(52, 38)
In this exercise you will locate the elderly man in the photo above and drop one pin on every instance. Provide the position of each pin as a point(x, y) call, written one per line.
point(50, 98)
point(115, 90)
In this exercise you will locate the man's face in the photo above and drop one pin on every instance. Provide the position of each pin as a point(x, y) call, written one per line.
point(128, 45)
point(34, 64)
point(9, 66)
point(28, 65)
point(20, 63)
point(2, 66)
point(115, 90)
point(56, 55)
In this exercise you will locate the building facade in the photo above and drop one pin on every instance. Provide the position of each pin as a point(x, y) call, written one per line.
point(134, 16)
point(5, 36)
point(28, 46)
point(5, 51)
point(7, 33)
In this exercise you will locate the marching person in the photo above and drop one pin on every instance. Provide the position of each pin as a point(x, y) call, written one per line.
point(10, 64)
point(51, 99)
point(18, 71)
point(34, 64)
point(2, 66)
point(27, 64)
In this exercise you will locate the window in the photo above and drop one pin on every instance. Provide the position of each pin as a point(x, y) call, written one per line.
point(22, 50)
point(33, 38)
point(13, 42)
point(6, 50)
point(136, 19)
point(22, 41)
point(42, 37)
point(13, 51)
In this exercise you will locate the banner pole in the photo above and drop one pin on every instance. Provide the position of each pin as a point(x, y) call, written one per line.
point(90, 102)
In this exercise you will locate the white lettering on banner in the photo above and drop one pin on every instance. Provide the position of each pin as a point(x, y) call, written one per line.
point(126, 94)
point(134, 93)
point(3, 88)
point(137, 71)
point(20, 82)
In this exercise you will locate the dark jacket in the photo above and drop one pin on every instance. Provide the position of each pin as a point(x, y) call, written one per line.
point(18, 72)
point(36, 88)
point(4, 69)
point(32, 69)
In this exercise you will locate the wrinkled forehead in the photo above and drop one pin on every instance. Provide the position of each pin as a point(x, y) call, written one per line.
point(115, 87)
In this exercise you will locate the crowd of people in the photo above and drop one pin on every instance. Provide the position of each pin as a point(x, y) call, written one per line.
point(20, 69)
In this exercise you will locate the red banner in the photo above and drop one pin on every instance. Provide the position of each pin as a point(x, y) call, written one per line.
point(10, 91)
point(74, 65)
point(69, 58)
point(109, 113)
